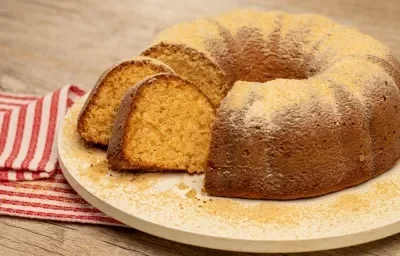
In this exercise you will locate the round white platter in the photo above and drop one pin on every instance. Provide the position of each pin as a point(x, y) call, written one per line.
point(175, 207)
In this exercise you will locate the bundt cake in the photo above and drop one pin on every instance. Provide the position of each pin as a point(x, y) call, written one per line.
point(328, 120)
point(303, 138)
point(163, 124)
point(304, 106)
point(97, 116)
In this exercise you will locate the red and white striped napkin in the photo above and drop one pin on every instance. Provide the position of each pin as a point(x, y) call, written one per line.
point(31, 183)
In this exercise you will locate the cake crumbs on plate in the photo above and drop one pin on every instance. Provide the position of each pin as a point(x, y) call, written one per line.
point(182, 186)
point(191, 193)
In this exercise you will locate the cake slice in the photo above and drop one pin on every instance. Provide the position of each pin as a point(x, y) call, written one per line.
point(163, 124)
point(97, 116)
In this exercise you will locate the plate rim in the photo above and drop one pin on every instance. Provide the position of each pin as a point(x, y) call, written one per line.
point(230, 244)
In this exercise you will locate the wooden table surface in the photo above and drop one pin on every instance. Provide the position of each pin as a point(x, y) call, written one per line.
point(47, 44)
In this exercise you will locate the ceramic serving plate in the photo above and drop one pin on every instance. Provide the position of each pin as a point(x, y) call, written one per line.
point(175, 206)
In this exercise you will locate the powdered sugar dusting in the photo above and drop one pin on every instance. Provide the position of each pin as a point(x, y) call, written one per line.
point(264, 22)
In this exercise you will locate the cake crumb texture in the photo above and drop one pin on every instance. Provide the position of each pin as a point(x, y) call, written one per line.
point(98, 115)
point(168, 126)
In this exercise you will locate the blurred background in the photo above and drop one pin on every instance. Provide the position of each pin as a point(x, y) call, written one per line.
point(46, 44)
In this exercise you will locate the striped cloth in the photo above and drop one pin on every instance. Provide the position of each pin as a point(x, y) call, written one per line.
point(31, 183)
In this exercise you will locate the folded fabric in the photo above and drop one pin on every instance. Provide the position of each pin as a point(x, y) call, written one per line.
point(28, 126)
point(50, 199)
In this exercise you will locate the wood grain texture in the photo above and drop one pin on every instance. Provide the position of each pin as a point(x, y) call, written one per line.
point(47, 44)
